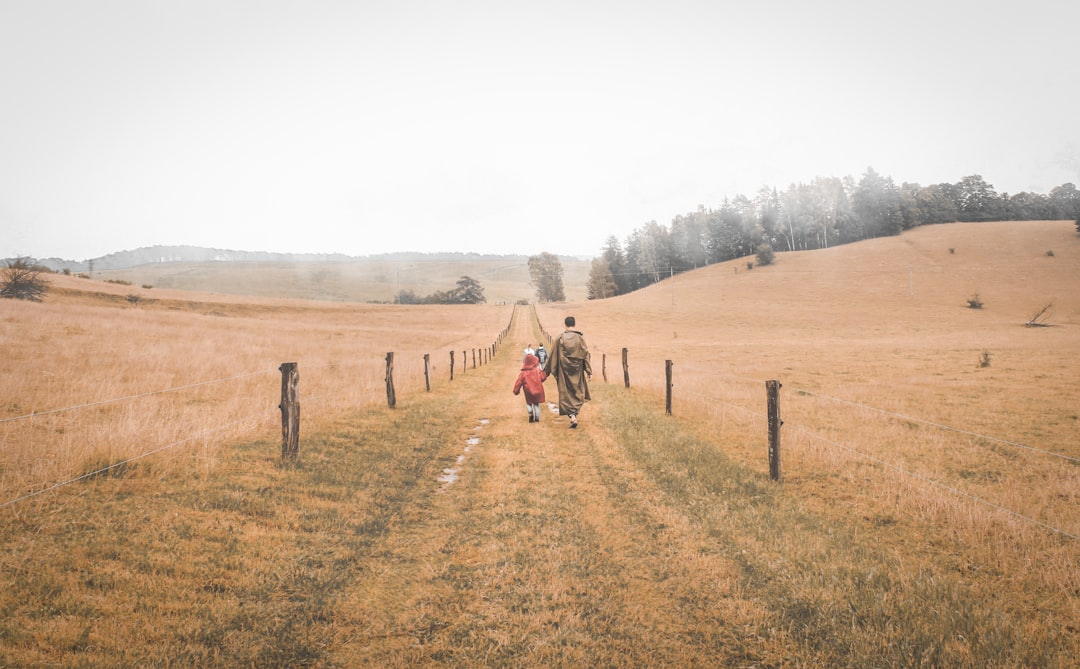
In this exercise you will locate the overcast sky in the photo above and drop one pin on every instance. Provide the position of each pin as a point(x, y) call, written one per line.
point(499, 126)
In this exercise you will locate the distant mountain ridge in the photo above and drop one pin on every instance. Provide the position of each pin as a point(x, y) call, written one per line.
point(148, 255)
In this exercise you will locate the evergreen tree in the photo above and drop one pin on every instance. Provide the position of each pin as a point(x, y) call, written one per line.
point(601, 284)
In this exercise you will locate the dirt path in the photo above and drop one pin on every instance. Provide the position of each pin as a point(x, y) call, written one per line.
point(541, 546)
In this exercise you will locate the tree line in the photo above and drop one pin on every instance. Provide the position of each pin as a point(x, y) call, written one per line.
point(825, 212)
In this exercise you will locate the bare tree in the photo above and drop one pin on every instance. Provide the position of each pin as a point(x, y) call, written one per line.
point(22, 280)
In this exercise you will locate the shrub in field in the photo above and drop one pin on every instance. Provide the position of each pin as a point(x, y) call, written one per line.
point(22, 280)
point(975, 302)
point(765, 254)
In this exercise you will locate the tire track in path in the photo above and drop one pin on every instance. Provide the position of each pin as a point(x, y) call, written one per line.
point(545, 548)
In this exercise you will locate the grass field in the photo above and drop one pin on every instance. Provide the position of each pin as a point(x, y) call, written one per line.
point(927, 514)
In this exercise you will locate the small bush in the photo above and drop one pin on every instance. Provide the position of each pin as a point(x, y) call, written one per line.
point(22, 280)
point(1050, 253)
point(984, 359)
point(975, 302)
point(952, 251)
point(765, 254)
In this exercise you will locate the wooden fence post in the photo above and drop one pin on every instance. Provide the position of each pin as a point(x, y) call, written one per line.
point(427, 371)
point(625, 367)
point(451, 365)
point(667, 371)
point(391, 398)
point(290, 410)
point(474, 358)
point(603, 366)
point(772, 389)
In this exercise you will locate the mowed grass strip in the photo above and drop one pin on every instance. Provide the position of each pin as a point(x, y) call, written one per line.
point(548, 552)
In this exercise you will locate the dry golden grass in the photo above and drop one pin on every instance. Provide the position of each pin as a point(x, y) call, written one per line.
point(95, 380)
point(913, 526)
point(884, 324)
point(888, 414)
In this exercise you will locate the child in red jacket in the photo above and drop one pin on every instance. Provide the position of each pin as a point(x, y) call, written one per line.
point(531, 379)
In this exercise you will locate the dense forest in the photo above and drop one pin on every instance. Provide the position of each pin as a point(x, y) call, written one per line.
point(823, 213)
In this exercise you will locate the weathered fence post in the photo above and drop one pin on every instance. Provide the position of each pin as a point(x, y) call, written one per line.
point(451, 365)
point(474, 358)
point(603, 366)
point(391, 398)
point(290, 410)
point(667, 372)
point(625, 367)
point(427, 371)
point(772, 389)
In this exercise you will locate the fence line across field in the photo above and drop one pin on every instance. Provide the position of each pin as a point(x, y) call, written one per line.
point(37, 414)
point(127, 461)
point(289, 407)
point(290, 416)
point(939, 484)
point(930, 423)
point(774, 423)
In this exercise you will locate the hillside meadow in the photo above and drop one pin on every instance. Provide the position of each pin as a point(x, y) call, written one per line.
point(927, 513)
point(113, 379)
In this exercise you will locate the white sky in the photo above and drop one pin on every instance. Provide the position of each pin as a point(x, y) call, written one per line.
point(499, 126)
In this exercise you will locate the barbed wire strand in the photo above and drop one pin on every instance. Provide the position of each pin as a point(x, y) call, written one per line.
point(921, 477)
point(933, 482)
point(915, 419)
point(98, 472)
point(35, 414)
point(940, 425)
point(716, 400)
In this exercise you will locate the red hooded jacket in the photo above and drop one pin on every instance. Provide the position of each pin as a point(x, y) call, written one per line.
point(531, 379)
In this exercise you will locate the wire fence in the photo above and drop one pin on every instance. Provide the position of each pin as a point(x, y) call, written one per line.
point(906, 451)
point(49, 449)
point(965, 464)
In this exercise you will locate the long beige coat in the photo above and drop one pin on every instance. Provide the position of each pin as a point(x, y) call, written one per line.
point(569, 363)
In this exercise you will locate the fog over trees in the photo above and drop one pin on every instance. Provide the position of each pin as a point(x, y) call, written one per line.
point(823, 213)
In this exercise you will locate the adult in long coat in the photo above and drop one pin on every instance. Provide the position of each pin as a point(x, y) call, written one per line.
point(569, 363)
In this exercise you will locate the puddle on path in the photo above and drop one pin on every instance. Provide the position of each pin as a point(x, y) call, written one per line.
point(451, 474)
